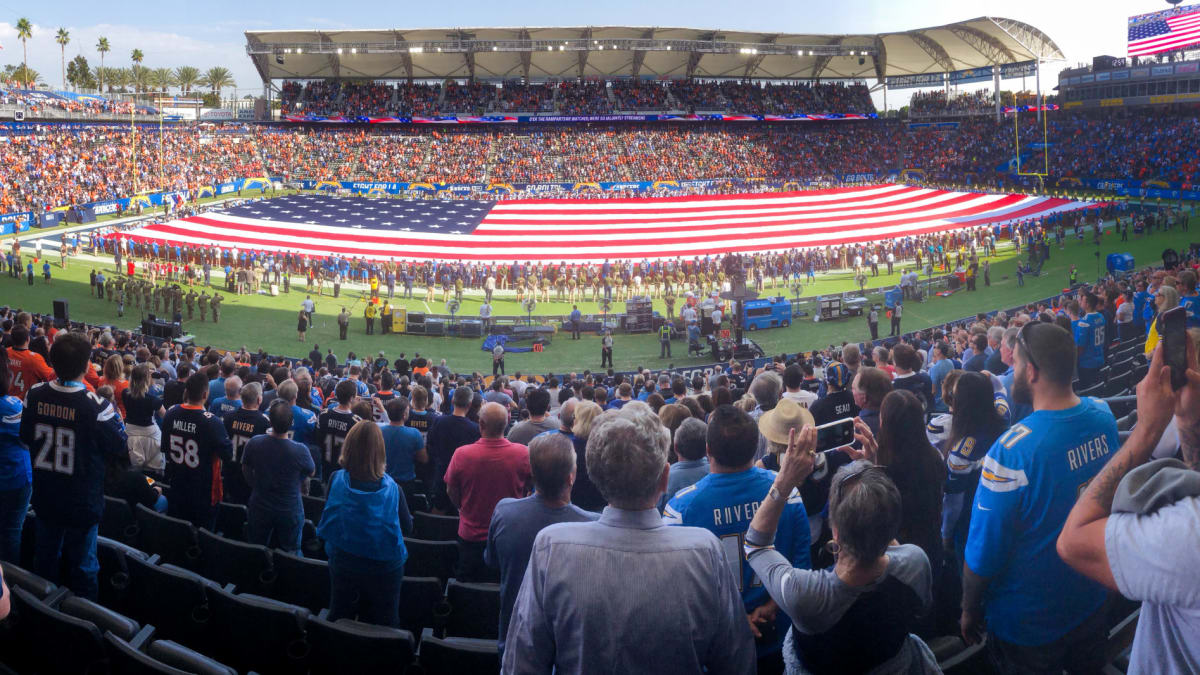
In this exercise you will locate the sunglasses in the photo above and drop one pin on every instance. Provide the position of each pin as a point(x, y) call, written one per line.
point(1025, 345)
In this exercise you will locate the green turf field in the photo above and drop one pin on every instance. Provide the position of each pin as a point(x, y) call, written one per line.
point(270, 322)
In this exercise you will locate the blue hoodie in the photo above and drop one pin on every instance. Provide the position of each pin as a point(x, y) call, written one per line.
point(364, 523)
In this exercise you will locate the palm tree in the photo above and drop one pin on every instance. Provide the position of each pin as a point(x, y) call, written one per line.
point(186, 77)
point(62, 38)
point(24, 32)
point(162, 79)
point(141, 77)
point(136, 56)
point(218, 78)
point(102, 47)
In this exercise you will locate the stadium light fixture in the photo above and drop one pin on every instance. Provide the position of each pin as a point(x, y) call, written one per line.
point(339, 50)
point(354, 50)
point(417, 50)
point(299, 51)
point(668, 47)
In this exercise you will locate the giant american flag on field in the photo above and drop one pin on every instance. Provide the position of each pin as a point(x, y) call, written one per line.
point(1164, 31)
point(588, 230)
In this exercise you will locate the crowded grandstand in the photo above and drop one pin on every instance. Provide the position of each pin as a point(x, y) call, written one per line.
point(779, 382)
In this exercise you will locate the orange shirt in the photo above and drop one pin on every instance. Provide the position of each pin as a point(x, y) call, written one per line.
point(118, 386)
point(27, 368)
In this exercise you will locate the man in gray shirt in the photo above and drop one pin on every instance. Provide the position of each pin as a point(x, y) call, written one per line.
point(516, 522)
point(691, 446)
point(537, 402)
point(1136, 529)
point(627, 594)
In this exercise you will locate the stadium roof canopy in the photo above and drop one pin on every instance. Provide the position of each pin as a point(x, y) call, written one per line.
point(630, 51)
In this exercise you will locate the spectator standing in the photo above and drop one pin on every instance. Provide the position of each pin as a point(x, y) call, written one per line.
point(537, 402)
point(71, 433)
point(1040, 614)
point(870, 386)
point(242, 425)
point(874, 586)
point(275, 468)
point(793, 383)
point(363, 527)
point(478, 477)
point(446, 435)
point(195, 443)
point(578, 613)
point(143, 407)
point(691, 447)
point(717, 504)
point(908, 376)
point(16, 473)
point(403, 445)
point(1136, 529)
point(516, 522)
point(837, 403)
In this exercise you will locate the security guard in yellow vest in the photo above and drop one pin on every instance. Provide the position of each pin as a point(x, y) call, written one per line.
point(370, 314)
point(664, 338)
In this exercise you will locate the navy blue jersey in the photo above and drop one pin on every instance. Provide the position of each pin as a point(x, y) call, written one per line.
point(332, 427)
point(241, 425)
point(195, 443)
point(69, 432)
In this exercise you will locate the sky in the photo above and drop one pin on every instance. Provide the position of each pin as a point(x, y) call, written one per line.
point(176, 33)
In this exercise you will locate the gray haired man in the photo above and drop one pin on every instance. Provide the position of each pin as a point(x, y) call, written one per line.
point(593, 591)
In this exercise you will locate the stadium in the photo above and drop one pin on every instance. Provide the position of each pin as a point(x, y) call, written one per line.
point(447, 348)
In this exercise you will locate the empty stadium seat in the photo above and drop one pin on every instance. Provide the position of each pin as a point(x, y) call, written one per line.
point(313, 508)
point(172, 599)
point(126, 659)
point(102, 617)
point(58, 642)
point(1117, 385)
point(419, 598)
point(1121, 405)
point(300, 581)
point(347, 646)
point(310, 544)
point(454, 656)
point(225, 561)
point(116, 522)
point(1094, 390)
point(433, 527)
point(474, 610)
point(231, 521)
point(179, 656)
point(250, 632)
point(19, 577)
point(173, 539)
point(431, 558)
point(114, 572)
point(416, 502)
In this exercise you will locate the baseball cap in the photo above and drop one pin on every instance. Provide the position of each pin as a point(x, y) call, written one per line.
point(837, 374)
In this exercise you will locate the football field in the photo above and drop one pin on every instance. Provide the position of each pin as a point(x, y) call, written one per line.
point(264, 321)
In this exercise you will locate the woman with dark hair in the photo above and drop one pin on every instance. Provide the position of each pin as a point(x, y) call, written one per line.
point(876, 586)
point(980, 416)
point(656, 401)
point(16, 473)
point(916, 468)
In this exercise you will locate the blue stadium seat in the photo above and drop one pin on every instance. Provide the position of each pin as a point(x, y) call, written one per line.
point(231, 521)
point(55, 642)
point(19, 577)
point(116, 522)
point(172, 599)
point(114, 572)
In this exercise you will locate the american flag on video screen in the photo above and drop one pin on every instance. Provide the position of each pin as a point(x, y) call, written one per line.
point(592, 229)
point(1165, 33)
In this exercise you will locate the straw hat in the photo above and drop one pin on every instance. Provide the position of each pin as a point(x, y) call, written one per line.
point(785, 416)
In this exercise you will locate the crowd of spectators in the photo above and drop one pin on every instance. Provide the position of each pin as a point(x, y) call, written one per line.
point(46, 167)
point(1019, 514)
point(518, 96)
point(640, 95)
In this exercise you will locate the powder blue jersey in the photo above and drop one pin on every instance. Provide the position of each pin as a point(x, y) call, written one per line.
point(1090, 335)
point(1030, 479)
point(724, 504)
point(1192, 304)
